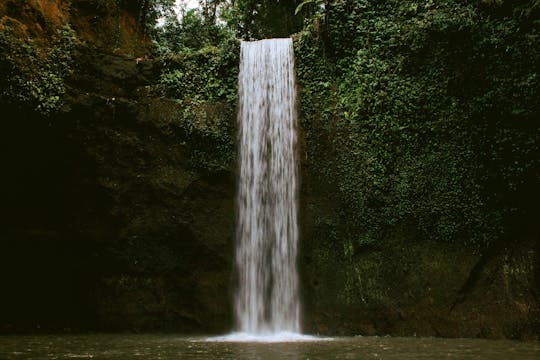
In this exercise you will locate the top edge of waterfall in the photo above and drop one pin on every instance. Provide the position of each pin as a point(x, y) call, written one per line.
point(269, 39)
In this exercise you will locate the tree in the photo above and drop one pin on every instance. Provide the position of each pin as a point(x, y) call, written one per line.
point(253, 19)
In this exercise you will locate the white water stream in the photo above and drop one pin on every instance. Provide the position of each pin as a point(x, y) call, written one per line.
point(267, 299)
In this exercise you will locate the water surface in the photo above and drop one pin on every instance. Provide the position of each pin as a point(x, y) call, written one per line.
point(170, 347)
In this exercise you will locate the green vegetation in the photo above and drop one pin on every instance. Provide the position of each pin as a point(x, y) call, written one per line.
point(422, 115)
point(430, 110)
point(203, 82)
point(184, 79)
point(34, 76)
point(251, 19)
point(192, 32)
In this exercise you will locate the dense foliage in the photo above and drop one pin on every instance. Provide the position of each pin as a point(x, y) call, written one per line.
point(430, 109)
point(422, 114)
point(218, 20)
point(208, 100)
point(31, 75)
point(252, 19)
point(192, 32)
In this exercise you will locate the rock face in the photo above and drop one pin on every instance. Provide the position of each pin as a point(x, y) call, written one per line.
point(171, 244)
point(405, 287)
point(107, 192)
point(120, 210)
point(115, 219)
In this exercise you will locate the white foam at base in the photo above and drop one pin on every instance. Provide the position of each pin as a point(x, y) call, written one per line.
point(284, 336)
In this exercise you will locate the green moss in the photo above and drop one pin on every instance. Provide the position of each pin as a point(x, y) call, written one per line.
point(36, 75)
point(410, 111)
point(204, 83)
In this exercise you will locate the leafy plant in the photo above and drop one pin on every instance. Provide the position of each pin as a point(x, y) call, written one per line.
point(412, 109)
point(36, 76)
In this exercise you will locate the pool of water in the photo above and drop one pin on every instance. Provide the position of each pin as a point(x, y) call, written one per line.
point(168, 347)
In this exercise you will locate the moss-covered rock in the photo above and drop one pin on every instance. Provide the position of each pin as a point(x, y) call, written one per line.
point(413, 198)
point(132, 190)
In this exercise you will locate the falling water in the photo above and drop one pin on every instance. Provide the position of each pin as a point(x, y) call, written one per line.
point(267, 231)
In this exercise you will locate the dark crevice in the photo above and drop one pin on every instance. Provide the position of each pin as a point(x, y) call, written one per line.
point(477, 270)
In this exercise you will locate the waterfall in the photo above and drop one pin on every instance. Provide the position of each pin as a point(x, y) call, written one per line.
point(267, 230)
